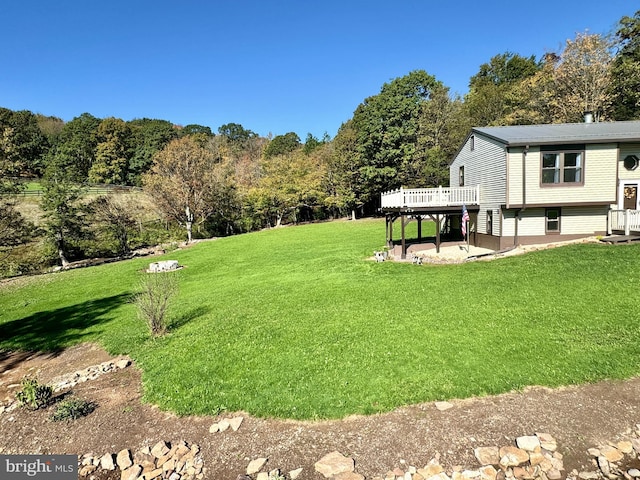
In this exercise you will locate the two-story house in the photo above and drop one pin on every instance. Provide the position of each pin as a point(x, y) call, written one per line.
point(546, 183)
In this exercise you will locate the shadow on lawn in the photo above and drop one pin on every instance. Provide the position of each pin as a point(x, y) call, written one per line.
point(53, 330)
point(186, 317)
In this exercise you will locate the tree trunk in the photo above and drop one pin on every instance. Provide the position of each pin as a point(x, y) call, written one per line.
point(60, 248)
point(189, 223)
point(353, 214)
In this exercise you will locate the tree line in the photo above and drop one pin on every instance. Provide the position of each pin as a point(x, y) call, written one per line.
point(234, 180)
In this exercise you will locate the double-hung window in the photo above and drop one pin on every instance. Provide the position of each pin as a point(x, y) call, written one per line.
point(563, 166)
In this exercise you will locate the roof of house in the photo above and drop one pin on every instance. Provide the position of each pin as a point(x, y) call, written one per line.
point(563, 133)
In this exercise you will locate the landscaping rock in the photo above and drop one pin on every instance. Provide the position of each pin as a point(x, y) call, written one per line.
point(235, 423)
point(512, 456)
point(106, 462)
point(487, 455)
point(442, 406)
point(256, 465)
point(334, 463)
point(528, 443)
point(123, 459)
point(131, 473)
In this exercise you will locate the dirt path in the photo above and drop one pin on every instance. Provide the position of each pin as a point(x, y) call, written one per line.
point(578, 417)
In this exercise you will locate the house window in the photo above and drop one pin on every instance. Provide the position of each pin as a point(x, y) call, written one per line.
point(552, 218)
point(562, 167)
point(472, 142)
point(490, 222)
point(461, 176)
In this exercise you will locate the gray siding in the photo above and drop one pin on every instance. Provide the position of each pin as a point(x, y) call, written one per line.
point(486, 166)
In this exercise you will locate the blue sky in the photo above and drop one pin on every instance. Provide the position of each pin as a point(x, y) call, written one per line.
point(272, 66)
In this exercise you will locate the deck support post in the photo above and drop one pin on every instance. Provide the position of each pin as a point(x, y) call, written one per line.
point(437, 233)
point(403, 255)
point(419, 228)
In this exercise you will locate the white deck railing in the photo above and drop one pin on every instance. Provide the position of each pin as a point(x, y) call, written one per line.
point(625, 220)
point(431, 197)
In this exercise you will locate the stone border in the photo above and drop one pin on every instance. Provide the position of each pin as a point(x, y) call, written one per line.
point(70, 380)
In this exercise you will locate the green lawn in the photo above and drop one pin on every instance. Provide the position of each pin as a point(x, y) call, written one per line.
point(296, 322)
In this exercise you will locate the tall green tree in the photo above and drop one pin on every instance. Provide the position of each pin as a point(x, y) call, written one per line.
point(23, 146)
point(75, 150)
point(148, 137)
point(626, 69)
point(282, 144)
point(489, 101)
point(64, 215)
point(343, 184)
point(113, 152)
point(387, 129)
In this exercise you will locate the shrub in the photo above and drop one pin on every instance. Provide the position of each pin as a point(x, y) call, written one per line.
point(34, 395)
point(72, 409)
point(153, 300)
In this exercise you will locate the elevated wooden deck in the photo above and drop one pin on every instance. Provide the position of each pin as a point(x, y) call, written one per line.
point(442, 199)
point(418, 204)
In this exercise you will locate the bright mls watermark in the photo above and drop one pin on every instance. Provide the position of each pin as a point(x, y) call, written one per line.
point(46, 467)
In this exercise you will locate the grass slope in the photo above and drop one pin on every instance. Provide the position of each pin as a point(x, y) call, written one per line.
point(295, 322)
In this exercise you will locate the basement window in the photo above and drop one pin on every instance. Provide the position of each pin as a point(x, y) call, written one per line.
point(552, 218)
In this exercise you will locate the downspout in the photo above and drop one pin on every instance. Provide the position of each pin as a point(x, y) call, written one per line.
point(524, 194)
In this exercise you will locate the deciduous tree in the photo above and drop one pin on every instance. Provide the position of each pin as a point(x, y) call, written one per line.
point(112, 152)
point(184, 181)
point(582, 79)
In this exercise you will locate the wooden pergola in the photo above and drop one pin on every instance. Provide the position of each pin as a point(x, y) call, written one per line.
point(436, 204)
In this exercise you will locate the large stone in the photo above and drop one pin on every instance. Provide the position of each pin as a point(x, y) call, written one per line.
point(106, 462)
point(163, 266)
point(256, 465)
point(612, 454)
point(547, 441)
point(334, 463)
point(488, 472)
point(235, 423)
point(625, 446)
point(603, 464)
point(528, 443)
point(487, 455)
point(442, 406)
point(160, 449)
point(123, 459)
point(512, 456)
point(293, 474)
point(131, 473)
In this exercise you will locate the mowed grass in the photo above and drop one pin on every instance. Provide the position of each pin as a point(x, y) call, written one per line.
point(298, 323)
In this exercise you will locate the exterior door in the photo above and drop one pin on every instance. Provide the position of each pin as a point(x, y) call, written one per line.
point(630, 200)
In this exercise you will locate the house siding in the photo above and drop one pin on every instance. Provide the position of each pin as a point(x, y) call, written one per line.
point(625, 150)
point(584, 221)
point(486, 166)
point(599, 178)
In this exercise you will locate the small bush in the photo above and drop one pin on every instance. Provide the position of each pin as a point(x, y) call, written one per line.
point(34, 395)
point(153, 300)
point(72, 409)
